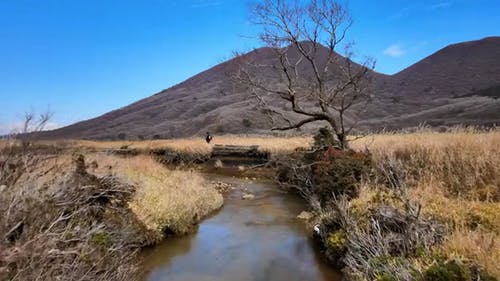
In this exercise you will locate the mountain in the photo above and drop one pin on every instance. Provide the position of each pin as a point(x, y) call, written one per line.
point(459, 84)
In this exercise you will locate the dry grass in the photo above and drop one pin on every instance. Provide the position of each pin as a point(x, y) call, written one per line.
point(60, 223)
point(198, 145)
point(67, 221)
point(454, 175)
point(463, 164)
point(456, 178)
point(165, 200)
point(478, 246)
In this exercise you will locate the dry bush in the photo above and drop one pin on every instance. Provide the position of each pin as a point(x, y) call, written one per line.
point(378, 237)
point(70, 219)
point(456, 178)
point(382, 236)
point(61, 223)
point(19, 163)
point(166, 201)
point(475, 224)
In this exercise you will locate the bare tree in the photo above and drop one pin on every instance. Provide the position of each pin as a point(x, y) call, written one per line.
point(33, 124)
point(315, 82)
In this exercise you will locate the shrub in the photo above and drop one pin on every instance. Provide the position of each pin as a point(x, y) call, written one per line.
point(220, 129)
point(246, 123)
point(339, 173)
point(448, 271)
point(385, 277)
point(336, 247)
point(381, 243)
point(325, 171)
point(324, 138)
point(101, 239)
point(485, 276)
point(82, 228)
point(453, 176)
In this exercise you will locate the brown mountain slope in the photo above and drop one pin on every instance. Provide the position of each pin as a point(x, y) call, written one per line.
point(208, 101)
point(457, 85)
point(454, 71)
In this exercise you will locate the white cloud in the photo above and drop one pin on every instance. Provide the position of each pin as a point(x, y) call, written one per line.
point(395, 50)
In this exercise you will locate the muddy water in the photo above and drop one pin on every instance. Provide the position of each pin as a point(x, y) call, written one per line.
point(258, 239)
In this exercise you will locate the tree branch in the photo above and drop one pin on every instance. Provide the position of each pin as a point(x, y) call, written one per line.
point(300, 124)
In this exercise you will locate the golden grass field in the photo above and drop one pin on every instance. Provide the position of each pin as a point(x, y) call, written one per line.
point(198, 145)
point(456, 178)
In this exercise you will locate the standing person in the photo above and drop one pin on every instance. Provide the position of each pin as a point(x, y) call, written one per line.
point(208, 138)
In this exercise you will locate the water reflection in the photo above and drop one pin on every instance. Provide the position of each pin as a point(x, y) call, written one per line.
point(255, 240)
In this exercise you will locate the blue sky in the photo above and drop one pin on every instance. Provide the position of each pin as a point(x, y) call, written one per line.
point(86, 57)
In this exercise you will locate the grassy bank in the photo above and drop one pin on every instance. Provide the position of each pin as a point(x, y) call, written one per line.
point(456, 177)
point(71, 217)
point(198, 145)
point(433, 195)
point(165, 200)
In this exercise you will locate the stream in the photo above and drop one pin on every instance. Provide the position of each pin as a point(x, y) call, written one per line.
point(256, 239)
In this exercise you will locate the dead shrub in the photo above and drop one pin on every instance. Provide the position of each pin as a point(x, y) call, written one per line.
point(80, 229)
point(381, 244)
point(455, 177)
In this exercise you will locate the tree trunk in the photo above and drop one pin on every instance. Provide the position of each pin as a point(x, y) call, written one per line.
point(342, 138)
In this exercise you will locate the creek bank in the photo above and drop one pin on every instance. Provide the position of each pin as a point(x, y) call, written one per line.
point(64, 223)
point(368, 223)
point(67, 218)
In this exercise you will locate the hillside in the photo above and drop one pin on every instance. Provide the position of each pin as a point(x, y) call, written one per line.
point(457, 85)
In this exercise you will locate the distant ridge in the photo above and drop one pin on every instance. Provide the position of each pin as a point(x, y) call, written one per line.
point(458, 84)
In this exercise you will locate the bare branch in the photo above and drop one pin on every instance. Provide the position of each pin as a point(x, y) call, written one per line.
point(299, 124)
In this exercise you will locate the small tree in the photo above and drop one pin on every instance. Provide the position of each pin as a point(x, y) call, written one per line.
point(32, 125)
point(315, 82)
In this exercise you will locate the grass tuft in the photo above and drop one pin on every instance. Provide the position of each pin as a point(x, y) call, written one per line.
point(167, 201)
